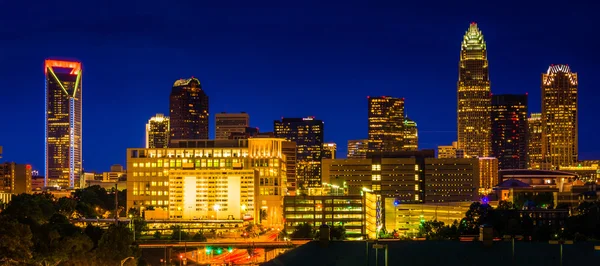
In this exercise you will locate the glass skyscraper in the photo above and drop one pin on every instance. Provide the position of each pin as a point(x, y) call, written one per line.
point(63, 123)
point(386, 124)
point(189, 110)
point(474, 95)
point(509, 130)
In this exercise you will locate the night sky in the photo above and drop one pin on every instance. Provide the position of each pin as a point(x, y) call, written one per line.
point(281, 59)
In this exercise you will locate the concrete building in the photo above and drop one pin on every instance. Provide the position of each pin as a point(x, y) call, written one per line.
point(451, 180)
point(234, 178)
point(488, 174)
point(450, 151)
point(228, 123)
point(158, 131)
point(534, 141)
point(15, 178)
point(406, 219)
point(357, 149)
point(329, 150)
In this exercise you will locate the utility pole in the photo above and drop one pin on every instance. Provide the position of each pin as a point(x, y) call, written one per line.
point(116, 204)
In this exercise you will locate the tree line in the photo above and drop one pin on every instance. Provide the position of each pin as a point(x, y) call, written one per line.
point(35, 229)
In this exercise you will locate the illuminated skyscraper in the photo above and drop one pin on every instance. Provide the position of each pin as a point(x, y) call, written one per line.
point(488, 174)
point(308, 135)
point(329, 150)
point(509, 130)
point(386, 124)
point(474, 100)
point(559, 116)
point(534, 140)
point(63, 123)
point(411, 135)
point(189, 110)
point(357, 148)
point(158, 131)
point(230, 123)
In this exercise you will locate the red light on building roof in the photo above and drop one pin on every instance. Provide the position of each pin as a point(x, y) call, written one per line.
point(28, 167)
point(527, 93)
point(473, 23)
point(368, 97)
point(403, 98)
point(383, 97)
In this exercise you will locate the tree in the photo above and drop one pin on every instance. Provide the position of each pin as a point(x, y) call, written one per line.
point(199, 237)
point(252, 230)
point(15, 242)
point(304, 230)
point(66, 206)
point(31, 208)
point(116, 244)
point(263, 214)
point(157, 235)
point(283, 235)
point(337, 232)
point(178, 233)
point(477, 215)
point(94, 233)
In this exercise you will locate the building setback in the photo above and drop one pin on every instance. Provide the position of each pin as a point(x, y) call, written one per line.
point(509, 130)
point(357, 149)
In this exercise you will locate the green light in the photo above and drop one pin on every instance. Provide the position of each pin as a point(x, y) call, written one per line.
point(219, 251)
point(208, 250)
point(230, 249)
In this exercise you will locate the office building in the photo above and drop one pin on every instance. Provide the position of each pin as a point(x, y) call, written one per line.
point(474, 96)
point(407, 218)
point(228, 123)
point(357, 149)
point(347, 211)
point(189, 110)
point(451, 180)
point(249, 132)
point(509, 130)
point(488, 174)
point(450, 151)
point(63, 112)
point(307, 133)
point(158, 131)
point(288, 148)
point(329, 150)
point(534, 141)
point(210, 179)
point(15, 178)
point(559, 116)
point(386, 124)
point(411, 135)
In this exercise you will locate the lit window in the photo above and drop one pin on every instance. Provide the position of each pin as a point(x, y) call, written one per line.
point(376, 167)
point(376, 177)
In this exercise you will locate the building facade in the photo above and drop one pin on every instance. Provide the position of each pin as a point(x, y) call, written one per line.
point(386, 124)
point(559, 116)
point(158, 131)
point(509, 130)
point(451, 180)
point(488, 174)
point(450, 151)
point(411, 135)
point(15, 178)
point(474, 95)
point(329, 150)
point(357, 149)
point(308, 134)
point(210, 179)
point(188, 110)
point(228, 123)
point(63, 132)
point(534, 141)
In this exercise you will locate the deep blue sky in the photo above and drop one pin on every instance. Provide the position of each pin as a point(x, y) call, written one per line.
point(281, 58)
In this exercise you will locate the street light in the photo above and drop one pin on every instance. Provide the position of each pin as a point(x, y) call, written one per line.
point(561, 243)
point(216, 208)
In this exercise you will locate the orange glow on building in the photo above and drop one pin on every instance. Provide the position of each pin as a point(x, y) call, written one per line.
point(73, 65)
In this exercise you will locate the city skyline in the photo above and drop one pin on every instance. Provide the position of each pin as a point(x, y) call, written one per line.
point(436, 126)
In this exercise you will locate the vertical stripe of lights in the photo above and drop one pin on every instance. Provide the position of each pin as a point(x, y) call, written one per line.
point(72, 142)
point(46, 130)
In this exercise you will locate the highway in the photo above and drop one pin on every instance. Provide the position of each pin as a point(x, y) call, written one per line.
point(225, 244)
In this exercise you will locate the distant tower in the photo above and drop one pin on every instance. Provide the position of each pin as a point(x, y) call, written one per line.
point(357, 148)
point(386, 124)
point(534, 140)
point(158, 131)
point(63, 123)
point(509, 130)
point(411, 135)
point(189, 110)
point(329, 150)
point(227, 123)
point(474, 100)
point(308, 135)
point(559, 116)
